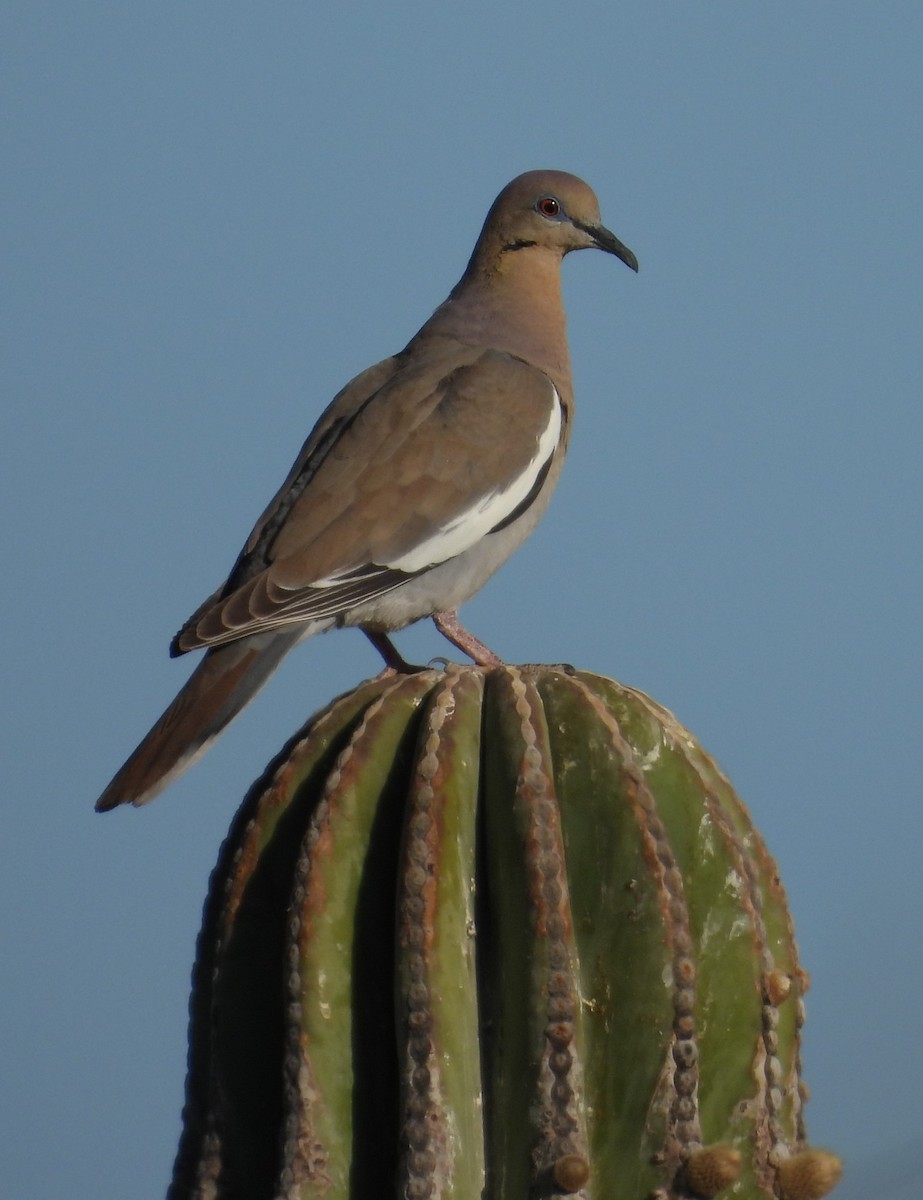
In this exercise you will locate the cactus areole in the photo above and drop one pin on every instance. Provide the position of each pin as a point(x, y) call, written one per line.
point(498, 933)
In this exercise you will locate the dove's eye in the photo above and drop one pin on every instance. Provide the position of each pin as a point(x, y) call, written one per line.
point(548, 207)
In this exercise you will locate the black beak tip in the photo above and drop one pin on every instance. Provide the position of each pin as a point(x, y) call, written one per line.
point(606, 240)
point(610, 243)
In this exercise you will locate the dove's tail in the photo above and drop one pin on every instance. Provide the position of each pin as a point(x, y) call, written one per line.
point(224, 682)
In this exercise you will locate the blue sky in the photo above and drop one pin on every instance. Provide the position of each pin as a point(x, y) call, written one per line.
point(215, 215)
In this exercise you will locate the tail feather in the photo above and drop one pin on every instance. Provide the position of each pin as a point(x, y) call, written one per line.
point(224, 682)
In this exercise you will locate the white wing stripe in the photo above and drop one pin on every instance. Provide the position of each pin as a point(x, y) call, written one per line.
point(463, 531)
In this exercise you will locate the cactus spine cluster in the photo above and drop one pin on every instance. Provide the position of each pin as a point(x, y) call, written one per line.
point(505, 934)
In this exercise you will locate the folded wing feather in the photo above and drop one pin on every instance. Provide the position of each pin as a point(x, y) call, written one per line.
point(442, 474)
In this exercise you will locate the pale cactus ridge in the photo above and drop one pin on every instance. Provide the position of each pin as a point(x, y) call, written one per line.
point(496, 932)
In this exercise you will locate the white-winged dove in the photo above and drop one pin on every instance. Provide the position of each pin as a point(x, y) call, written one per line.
point(420, 479)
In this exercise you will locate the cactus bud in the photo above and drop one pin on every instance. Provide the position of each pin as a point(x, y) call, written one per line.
point(809, 1175)
point(570, 1173)
point(711, 1169)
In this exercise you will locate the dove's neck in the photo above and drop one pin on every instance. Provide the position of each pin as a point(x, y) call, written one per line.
point(510, 301)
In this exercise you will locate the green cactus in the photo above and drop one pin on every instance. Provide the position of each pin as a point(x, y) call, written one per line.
point(504, 933)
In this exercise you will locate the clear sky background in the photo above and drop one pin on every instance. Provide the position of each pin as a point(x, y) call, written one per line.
point(215, 214)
